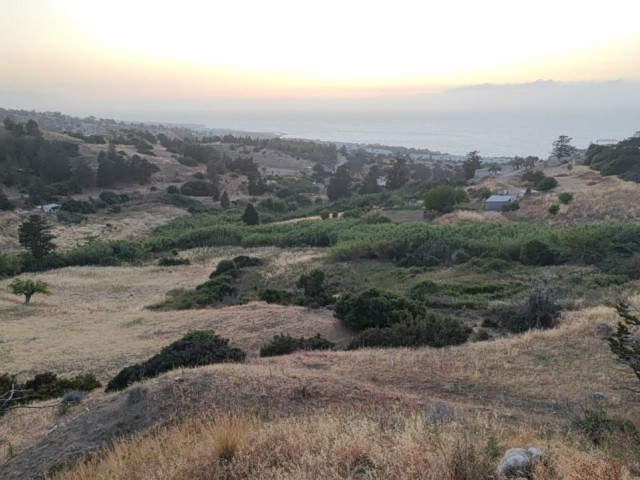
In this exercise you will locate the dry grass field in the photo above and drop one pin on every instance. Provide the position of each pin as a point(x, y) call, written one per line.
point(95, 319)
point(400, 414)
point(596, 199)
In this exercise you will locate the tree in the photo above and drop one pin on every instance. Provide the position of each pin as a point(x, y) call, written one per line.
point(224, 200)
point(495, 168)
point(562, 148)
point(28, 288)
point(625, 340)
point(34, 234)
point(339, 184)
point(250, 215)
point(398, 174)
point(443, 198)
point(471, 164)
point(256, 185)
point(32, 128)
point(5, 203)
point(370, 184)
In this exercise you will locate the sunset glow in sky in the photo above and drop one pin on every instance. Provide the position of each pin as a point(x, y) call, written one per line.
point(289, 48)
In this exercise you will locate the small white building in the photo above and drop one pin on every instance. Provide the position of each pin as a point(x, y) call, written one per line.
point(495, 202)
point(50, 208)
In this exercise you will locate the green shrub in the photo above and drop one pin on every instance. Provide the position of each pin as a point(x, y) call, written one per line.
point(430, 331)
point(198, 188)
point(220, 289)
point(324, 214)
point(77, 206)
point(112, 198)
point(535, 252)
point(44, 386)
point(225, 267)
point(286, 344)
point(554, 209)
point(272, 295)
point(244, 261)
point(196, 348)
point(539, 311)
point(173, 190)
point(172, 262)
point(511, 207)
point(547, 184)
point(565, 198)
point(375, 308)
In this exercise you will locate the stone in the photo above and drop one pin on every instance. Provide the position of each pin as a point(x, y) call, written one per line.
point(518, 462)
point(602, 331)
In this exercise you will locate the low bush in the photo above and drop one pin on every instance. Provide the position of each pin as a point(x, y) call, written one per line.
point(219, 290)
point(196, 348)
point(554, 209)
point(375, 308)
point(77, 206)
point(198, 188)
point(43, 386)
point(565, 198)
point(112, 198)
point(431, 331)
point(286, 344)
point(547, 184)
point(173, 261)
point(535, 252)
point(539, 311)
point(272, 295)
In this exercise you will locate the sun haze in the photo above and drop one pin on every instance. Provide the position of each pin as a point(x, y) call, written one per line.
point(292, 48)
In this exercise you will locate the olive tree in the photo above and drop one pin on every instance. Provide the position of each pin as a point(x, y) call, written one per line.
point(28, 288)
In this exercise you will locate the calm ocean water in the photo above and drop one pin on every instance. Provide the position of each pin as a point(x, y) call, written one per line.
point(495, 133)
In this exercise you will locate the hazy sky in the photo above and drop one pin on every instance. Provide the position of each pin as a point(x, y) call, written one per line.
point(141, 52)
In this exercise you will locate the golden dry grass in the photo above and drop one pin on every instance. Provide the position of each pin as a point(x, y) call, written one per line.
point(95, 319)
point(343, 444)
point(596, 199)
point(468, 216)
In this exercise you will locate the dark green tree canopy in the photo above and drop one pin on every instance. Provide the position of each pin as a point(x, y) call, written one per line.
point(34, 234)
point(398, 174)
point(472, 163)
point(563, 149)
point(340, 184)
point(250, 215)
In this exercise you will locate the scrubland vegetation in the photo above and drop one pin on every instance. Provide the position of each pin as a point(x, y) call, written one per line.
point(314, 324)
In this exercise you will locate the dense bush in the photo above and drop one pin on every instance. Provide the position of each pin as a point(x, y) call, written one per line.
point(78, 206)
point(565, 198)
point(430, 331)
point(196, 348)
point(535, 252)
point(112, 198)
point(443, 198)
point(375, 308)
point(554, 209)
point(548, 183)
point(211, 293)
point(43, 386)
point(539, 311)
point(173, 261)
point(198, 188)
point(273, 295)
point(233, 267)
point(285, 344)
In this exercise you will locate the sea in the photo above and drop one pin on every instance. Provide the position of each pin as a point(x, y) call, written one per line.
point(504, 133)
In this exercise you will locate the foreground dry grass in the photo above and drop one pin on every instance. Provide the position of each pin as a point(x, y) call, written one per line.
point(345, 444)
point(95, 319)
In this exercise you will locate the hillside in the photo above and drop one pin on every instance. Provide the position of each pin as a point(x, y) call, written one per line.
point(435, 335)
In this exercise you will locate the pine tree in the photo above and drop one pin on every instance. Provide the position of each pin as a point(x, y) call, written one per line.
point(250, 215)
point(224, 200)
point(370, 184)
point(35, 235)
point(398, 174)
point(340, 184)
